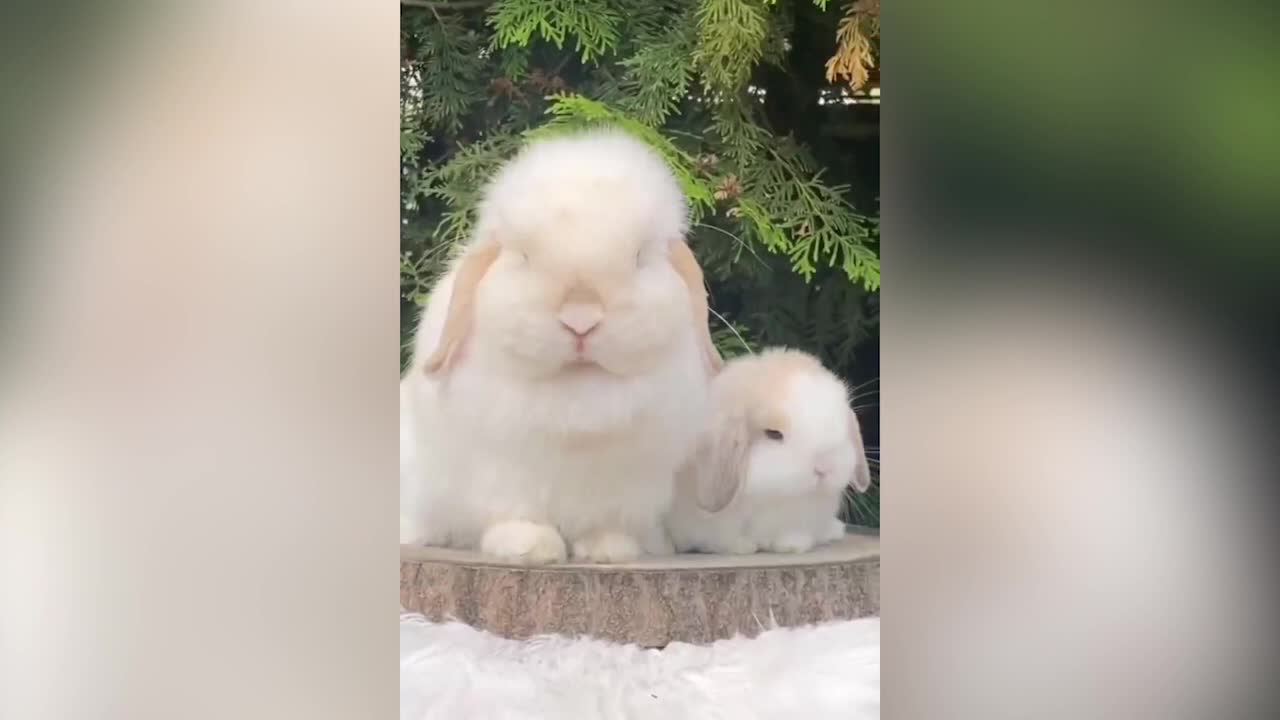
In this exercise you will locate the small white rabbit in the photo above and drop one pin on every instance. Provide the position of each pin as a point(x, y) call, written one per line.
point(562, 365)
point(770, 471)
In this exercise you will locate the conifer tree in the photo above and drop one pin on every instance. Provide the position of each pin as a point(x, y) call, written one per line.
point(765, 110)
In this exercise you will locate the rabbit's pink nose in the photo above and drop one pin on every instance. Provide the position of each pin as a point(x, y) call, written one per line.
point(822, 468)
point(580, 319)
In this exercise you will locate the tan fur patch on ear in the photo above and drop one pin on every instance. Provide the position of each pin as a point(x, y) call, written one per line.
point(686, 265)
point(458, 320)
point(726, 462)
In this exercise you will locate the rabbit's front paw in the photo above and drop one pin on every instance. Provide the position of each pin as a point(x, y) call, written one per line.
point(734, 546)
point(792, 543)
point(835, 531)
point(656, 542)
point(606, 546)
point(524, 542)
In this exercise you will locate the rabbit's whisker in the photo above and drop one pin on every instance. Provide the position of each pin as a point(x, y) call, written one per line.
point(732, 329)
point(858, 387)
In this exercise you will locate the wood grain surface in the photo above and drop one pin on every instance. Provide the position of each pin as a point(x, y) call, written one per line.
point(653, 602)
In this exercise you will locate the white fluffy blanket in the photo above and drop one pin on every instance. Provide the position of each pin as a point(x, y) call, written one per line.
point(453, 672)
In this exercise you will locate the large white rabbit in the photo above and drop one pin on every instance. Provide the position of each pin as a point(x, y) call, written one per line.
point(562, 365)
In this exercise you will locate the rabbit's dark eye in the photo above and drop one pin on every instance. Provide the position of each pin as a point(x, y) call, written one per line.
point(773, 434)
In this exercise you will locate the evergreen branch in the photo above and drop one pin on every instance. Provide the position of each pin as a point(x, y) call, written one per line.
point(855, 53)
point(777, 45)
point(446, 78)
point(658, 75)
point(742, 244)
point(743, 140)
point(731, 36)
point(460, 182)
point(459, 5)
point(790, 211)
point(593, 24)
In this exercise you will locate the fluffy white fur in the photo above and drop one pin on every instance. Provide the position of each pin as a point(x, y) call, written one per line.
point(409, 481)
point(787, 489)
point(535, 445)
point(454, 672)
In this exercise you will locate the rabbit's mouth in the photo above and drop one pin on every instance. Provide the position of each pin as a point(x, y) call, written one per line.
point(585, 368)
point(582, 363)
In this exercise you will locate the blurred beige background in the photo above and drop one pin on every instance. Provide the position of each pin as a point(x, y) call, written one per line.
point(198, 473)
point(198, 410)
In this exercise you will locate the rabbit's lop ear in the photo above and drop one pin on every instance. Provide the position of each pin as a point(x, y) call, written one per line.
point(861, 471)
point(726, 466)
point(686, 265)
point(457, 322)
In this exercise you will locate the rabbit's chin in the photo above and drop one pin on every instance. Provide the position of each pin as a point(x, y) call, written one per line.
point(606, 367)
point(571, 369)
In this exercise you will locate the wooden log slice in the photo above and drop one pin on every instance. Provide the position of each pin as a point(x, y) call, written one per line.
point(651, 602)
